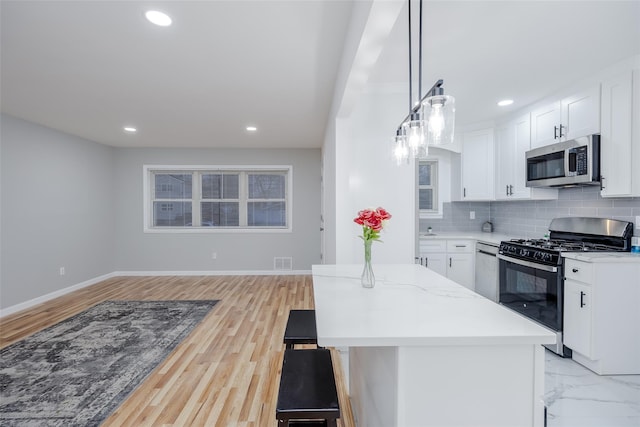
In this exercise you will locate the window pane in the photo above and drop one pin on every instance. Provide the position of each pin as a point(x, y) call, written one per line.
point(230, 186)
point(266, 186)
point(173, 186)
point(424, 174)
point(211, 186)
point(220, 214)
point(266, 214)
point(426, 198)
point(220, 186)
point(172, 214)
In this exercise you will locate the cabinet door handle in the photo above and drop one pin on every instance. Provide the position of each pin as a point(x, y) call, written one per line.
point(575, 270)
point(507, 190)
point(561, 135)
point(464, 192)
point(555, 132)
point(449, 261)
point(510, 190)
point(582, 294)
point(602, 187)
point(426, 262)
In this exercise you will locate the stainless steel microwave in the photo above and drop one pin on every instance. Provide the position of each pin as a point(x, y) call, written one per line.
point(564, 164)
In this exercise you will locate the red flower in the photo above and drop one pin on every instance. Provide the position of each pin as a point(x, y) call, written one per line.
point(372, 222)
point(383, 214)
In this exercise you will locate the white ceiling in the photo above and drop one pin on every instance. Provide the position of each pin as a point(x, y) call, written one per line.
point(91, 67)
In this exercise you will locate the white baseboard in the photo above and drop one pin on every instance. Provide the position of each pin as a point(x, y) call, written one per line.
point(215, 273)
point(44, 298)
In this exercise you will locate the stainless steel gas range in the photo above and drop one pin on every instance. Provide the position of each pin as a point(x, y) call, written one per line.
point(531, 272)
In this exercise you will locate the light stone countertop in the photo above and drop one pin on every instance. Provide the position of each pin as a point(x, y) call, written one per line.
point(411, 306)
point(479, 236)
point(609, 257)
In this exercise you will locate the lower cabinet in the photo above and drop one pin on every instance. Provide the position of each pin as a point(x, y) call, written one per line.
point(577, 317)
point(453, 258)
point(601, 316)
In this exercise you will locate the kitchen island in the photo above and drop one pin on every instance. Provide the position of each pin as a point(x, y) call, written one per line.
point(425, 351)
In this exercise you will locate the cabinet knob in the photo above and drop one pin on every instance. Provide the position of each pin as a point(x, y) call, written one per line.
point(575, 270)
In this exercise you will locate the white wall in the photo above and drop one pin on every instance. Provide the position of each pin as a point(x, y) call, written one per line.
point(57, 210)
point(369, 177)
point(357, 147)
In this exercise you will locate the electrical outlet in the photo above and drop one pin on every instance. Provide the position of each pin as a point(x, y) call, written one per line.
point(62, 271)
point(472, 214)
point(214, 255)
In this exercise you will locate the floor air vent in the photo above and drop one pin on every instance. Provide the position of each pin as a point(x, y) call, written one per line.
point(282, 263)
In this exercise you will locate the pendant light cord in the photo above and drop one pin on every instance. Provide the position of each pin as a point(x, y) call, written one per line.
point(420, 55)
point(410, 61)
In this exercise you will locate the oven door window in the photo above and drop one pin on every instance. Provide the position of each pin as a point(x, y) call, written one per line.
point(532, 292)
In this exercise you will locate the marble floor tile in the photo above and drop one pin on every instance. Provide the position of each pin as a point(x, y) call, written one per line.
point(577, 397)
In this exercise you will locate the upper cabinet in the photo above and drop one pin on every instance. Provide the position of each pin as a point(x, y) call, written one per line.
point(620, 135)
point(513, 139)
point(572, 117)
point(477, 165)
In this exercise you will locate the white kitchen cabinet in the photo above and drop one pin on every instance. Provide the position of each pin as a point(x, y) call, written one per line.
point(433, 255)
point(574, 116)
point(453, 258)
point(601, 316)
point(544, 125)
point(580, 114)
point(477, 165)
point(513, 139)
point(460, 269)
point(577, 317)
point(619, 155)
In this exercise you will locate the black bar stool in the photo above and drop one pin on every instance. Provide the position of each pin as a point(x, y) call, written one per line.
point(307, 389)
point(301, 328)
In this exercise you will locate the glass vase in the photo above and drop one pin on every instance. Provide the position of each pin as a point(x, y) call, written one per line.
point(367, 279)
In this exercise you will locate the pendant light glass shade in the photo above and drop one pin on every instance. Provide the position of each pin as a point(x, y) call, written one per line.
point(414, 131)
point(400, 148)
point(439, 114)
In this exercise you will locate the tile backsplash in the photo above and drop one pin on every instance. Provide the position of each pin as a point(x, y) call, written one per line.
point(456, 217)
point(529, 218)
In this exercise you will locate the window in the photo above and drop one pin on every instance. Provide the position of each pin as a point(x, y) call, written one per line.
point(428, 186)
point(207, 198)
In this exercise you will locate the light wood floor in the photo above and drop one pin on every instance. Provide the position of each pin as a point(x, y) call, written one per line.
point(225, 373)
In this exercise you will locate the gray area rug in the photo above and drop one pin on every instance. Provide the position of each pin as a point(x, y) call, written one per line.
point(75, 373)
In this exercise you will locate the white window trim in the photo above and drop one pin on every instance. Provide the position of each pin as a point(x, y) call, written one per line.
point(147, 199)
point(430, 213)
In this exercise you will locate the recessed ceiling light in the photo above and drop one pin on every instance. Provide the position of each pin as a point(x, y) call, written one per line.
point(505, 102)
point(158, 18)
point(251, 128)
point(130, 129)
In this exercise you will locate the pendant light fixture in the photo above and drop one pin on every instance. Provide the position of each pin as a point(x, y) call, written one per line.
point(431, 119)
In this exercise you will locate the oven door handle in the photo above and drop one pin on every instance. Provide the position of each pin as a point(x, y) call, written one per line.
point(537, 266)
